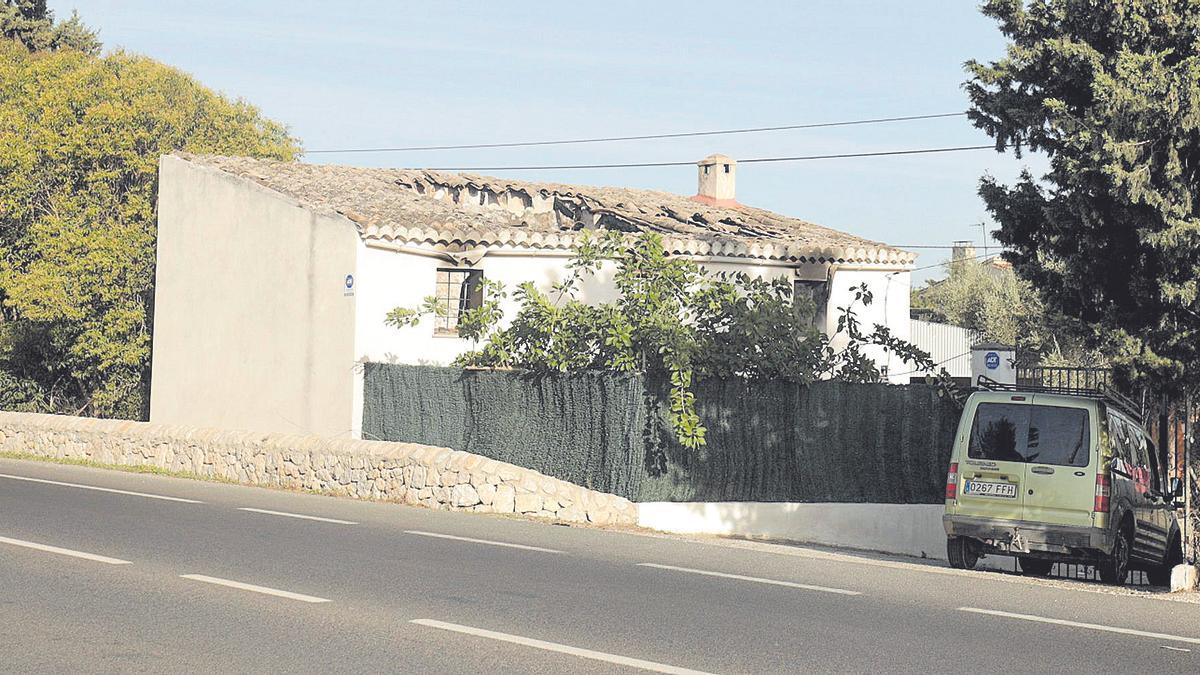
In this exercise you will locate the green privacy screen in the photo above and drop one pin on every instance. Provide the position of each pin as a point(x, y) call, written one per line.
point(767, 441)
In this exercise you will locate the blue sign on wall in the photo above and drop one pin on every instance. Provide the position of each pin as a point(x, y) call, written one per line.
point(991, 360)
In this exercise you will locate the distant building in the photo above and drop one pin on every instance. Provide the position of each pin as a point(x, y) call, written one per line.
point(965, 252)
point(948, 346)
point(274, 278)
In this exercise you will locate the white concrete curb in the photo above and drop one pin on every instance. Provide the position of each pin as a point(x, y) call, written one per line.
point(903, 529)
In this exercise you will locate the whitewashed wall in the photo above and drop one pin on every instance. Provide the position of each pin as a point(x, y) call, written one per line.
point(252, 329)
point(389, 279)
point(889, 307)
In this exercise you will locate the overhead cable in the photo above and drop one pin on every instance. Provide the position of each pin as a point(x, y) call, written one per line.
point(752, 160)
point(643, 137)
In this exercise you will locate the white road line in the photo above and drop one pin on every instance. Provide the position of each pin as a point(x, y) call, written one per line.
point(1175, 649)
point(1077, 624)
point(101, 489)
point(65, 551)
point(775, 582)
point(561, 649)
point(297, 515)
point(481, 541)
point(251, 587)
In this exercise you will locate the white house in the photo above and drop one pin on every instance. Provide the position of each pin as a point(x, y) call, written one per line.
point(273, 278)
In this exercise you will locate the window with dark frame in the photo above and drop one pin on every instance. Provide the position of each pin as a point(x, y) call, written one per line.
point(458, 290)
point(816, 292)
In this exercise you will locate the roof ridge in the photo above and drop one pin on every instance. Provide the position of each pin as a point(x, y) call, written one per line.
point(446, 208)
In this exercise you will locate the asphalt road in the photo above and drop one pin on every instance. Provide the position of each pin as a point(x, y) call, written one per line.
point(96, 581)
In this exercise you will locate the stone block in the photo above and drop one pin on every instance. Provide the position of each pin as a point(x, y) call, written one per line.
point(464, 495)
point(505, 499)
point(508, 472)
point(572, 515)
point(599, 516)
point(528, 503)
point(527, 484)
point(486, 493)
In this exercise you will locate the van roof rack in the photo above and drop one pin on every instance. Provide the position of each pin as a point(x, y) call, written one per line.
point(1101, 392)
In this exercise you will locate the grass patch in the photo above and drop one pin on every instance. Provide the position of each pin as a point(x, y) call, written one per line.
point(127, 468)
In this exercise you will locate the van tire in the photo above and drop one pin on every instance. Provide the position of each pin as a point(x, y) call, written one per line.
point(962, 553)
point(1160, 575)
point(1036, 567)
point(1115, 566)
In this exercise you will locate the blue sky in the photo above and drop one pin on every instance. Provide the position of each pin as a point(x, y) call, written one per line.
point(363, 74)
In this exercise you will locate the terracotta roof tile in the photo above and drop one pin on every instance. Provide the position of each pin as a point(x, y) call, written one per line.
point(464, 210)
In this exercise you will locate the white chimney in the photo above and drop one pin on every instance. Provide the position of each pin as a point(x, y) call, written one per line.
point(962, 251)
point(716, 178)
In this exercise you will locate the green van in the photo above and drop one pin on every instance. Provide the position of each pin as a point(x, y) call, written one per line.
point(1051, 477)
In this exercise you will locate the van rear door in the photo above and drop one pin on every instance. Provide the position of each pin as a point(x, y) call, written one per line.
point(993, 471)
point(1062, 460)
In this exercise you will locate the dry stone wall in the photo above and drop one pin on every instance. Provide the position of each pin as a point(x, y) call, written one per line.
point(438, 478)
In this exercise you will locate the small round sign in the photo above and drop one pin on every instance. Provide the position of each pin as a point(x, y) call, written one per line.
point(349, 281)
point(991, 360)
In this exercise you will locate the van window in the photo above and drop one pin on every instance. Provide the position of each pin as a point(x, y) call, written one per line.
point(1156, 474)
point(1041, 434)
point(1118, 434)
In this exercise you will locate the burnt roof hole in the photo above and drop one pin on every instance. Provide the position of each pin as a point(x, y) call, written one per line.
point(607, 221)
point(523, 197)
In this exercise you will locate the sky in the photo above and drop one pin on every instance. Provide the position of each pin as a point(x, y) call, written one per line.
point(400, 73)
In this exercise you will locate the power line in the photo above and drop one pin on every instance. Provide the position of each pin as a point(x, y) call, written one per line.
point(939, 363)
point(632, 165)
point(645, 137)
point(929, 246)
point(929, 267)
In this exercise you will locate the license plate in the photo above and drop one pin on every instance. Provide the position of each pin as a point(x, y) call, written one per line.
point(977, 488)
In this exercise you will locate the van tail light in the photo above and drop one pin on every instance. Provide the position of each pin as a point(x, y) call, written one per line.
point(1103, 490)
point(952, 482)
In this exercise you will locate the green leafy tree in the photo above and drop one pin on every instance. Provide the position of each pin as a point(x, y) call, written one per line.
point(1001, 307)
point(80, 139)
point(1110, 235)
point(32, 24)
point(670, 320)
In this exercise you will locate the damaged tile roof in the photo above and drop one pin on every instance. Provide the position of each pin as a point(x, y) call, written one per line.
point(453, 211)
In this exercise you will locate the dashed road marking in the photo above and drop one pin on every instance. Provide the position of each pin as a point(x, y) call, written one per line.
point(489, 542)
point(297, 515)
point(64, 551)
point(1078, 624)
point(561, 649)
point(774, 582)
point(101, 489)
point(252, 588)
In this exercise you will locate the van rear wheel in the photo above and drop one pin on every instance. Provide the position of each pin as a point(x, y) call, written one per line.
point(1036, 567)
point(1115, 566)
point(962, 553)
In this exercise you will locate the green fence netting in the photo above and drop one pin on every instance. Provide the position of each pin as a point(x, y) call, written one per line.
point(767, 441)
